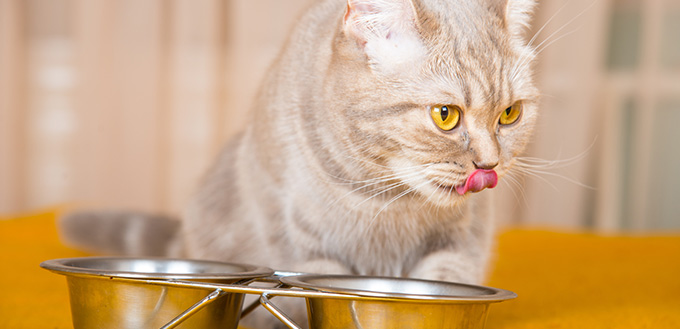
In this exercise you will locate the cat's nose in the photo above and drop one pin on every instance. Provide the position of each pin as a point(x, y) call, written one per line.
point(488, 165)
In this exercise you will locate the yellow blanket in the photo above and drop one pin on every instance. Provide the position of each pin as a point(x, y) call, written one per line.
point(564, 280)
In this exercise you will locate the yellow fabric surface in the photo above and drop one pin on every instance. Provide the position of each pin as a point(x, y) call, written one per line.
point(563, 280)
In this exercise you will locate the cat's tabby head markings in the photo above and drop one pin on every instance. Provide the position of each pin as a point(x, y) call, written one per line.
point(426, 93)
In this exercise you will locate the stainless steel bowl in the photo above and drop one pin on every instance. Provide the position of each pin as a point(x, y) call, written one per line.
point(380, 302)
point(113, 292)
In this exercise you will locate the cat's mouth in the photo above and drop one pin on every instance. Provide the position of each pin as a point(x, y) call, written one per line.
point(446, 188)
point(479, 180)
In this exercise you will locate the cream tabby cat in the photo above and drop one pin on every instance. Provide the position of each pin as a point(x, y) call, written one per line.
point(370, 133)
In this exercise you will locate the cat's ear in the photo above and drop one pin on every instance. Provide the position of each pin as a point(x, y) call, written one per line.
point(516, 14)
point(385, 29)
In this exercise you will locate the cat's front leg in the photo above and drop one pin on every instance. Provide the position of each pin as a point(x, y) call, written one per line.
point(450, 265)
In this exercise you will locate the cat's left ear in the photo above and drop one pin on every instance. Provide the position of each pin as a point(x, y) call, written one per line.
point(386, 30)
point(516, 14)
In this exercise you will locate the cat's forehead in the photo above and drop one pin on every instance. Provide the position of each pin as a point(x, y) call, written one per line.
point(472, 59)
point(474, 75)
point(478, 67)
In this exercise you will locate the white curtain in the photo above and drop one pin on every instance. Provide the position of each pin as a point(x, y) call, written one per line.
point(123, 104)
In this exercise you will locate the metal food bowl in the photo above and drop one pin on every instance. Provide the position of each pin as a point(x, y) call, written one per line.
point(379, 302)
point(115, 292)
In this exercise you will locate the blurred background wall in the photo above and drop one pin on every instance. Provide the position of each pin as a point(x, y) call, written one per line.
point(124, 103)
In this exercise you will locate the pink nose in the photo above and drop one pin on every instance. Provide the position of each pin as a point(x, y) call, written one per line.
point(479, 180)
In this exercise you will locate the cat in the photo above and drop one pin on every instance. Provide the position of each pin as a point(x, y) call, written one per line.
point(367, 142)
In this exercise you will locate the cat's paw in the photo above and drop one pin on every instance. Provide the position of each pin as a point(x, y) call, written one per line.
point(447, 266)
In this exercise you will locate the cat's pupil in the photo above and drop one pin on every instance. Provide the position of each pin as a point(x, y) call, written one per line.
point(444, 113)
point(508, 110)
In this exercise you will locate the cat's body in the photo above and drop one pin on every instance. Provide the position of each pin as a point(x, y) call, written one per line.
point(342, 169)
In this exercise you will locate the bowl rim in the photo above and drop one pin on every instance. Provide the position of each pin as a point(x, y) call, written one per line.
point(494, 295)
point(65, 266)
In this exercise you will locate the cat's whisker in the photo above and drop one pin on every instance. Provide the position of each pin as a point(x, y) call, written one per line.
point(528, 172)
point(525, 63)
point(569, 22)
point(373, 181)
point(537, 173)
point(538, 167)
point(547, 164)
point(538, 51)
point(511, 182)
point(403, 181)
point(397, 197)
point(428, 203)
point(391, 174)
point(533, 162)
point(451, 190)
point(370, 181)
point(556, 165)
point(531, 42)
point(382, 191)
point(516, 186)
point(430, 196)
point(338, 180)
point(549, 40)
point(337, 200)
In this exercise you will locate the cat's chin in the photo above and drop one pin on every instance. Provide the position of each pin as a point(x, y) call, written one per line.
point(448, 189)
point(442, 195)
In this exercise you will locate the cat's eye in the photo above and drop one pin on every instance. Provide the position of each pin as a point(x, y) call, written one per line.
point(446, 117)
point(511, 114)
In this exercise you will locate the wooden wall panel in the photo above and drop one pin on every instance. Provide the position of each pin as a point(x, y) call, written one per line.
point(12, 89)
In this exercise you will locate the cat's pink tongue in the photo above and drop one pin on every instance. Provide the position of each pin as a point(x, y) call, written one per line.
point(479, 180)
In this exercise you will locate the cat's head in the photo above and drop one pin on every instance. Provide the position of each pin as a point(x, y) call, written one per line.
point(434, 94)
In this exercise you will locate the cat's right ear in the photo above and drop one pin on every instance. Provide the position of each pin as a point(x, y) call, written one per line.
point(516, 14)
point(386, 30)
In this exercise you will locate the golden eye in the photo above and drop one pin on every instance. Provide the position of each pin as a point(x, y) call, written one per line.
point(511, 114)
point(446, 117)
